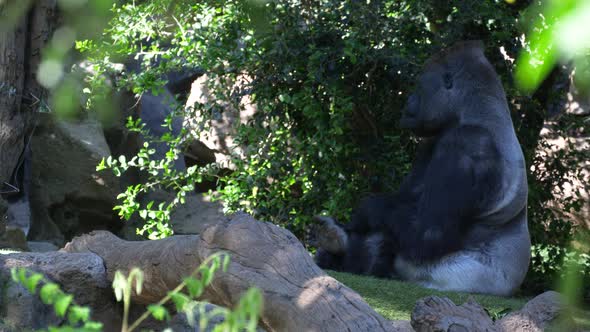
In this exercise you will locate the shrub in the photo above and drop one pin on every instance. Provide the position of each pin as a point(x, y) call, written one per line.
point(329, 79)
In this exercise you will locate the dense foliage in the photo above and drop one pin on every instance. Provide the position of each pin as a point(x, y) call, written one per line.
point(329, 79)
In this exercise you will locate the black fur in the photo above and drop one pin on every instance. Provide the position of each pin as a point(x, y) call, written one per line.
point(453, 199)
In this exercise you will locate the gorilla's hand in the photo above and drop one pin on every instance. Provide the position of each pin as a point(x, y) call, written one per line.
point(327, 234)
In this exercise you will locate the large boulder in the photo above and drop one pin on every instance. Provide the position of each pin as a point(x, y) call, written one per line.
point(214, 133)
point(68, 196)
point(82, 275)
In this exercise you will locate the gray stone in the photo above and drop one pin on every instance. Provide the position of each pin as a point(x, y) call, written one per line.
point(196, 214)
point(13, 238)
point(538, 314)
point(214, 135)
point(82, 274)
point(40, 246)
point(68, 195)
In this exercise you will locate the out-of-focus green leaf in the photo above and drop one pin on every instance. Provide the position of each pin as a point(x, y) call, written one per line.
point(559, 31)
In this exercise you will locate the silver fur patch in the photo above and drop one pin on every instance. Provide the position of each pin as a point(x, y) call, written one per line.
point(498, 270)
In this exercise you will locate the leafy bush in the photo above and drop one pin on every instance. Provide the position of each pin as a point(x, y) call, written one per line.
point(329, 79)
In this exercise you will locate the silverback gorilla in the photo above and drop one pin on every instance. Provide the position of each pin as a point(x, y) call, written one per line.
point(458, 221)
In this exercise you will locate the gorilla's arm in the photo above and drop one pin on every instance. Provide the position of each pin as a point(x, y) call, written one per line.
point(457, 178)
point(376, 212)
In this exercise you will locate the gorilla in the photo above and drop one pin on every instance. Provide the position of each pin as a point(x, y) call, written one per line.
point(459, 219)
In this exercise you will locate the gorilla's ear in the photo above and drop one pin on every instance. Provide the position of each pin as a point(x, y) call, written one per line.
point(448, 80)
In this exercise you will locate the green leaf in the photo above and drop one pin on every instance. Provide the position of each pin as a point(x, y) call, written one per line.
point(206, 275)
point(14, 274)
point(22, 275)
point(32, 282)
point(78, 313)
point(158, 311)
point(226, 261)
point(62, 303)
point(180, 300)
point(93, 326)
point(49, 292)
point(194, 287)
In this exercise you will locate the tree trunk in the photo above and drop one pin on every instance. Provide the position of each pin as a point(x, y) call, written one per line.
point(20, 94)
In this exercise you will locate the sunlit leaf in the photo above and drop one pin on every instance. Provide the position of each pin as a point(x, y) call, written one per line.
point(62, 303)
point(158, 311)
point(49, 292)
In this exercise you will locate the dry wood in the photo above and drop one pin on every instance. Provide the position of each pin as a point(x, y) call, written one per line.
point(298, 295)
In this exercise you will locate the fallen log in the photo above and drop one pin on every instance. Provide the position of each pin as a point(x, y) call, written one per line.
point(298, 295)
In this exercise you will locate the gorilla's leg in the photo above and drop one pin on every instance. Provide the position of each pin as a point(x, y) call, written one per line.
point(327, 260)
point(383, 249)
point(498, 268)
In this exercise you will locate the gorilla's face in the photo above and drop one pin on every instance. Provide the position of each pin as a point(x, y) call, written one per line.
point(430, 109)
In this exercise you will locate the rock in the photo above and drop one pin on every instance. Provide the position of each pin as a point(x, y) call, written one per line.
point(536, 315)
point(20, 310)
point(39, 246)
point(13, 238)
point(68, 195)
point(82, 275)
point(401, 326)
point(3, 210)
point(19, 214)
point(17, 197)
point(441, 314)
point(196, 214)
point(434, 313)
point(215, 133)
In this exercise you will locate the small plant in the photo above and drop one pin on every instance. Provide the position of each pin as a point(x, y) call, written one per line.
point(78, 317)
point(496, 315)
point(243, 317)
point(160, 174)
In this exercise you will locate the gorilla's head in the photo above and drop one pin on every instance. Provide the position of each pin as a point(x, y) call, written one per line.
point(445, 88)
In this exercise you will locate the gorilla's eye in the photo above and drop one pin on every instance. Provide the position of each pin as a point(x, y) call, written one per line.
point(448, 80)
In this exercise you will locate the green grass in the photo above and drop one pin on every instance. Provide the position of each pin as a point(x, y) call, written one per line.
point(395, 299)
